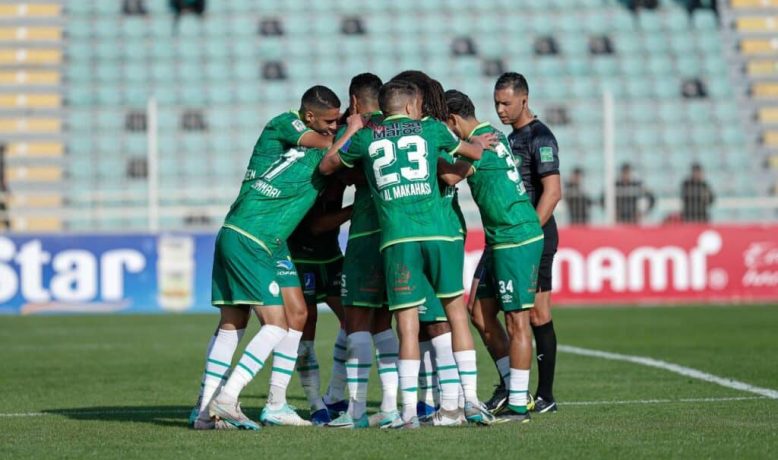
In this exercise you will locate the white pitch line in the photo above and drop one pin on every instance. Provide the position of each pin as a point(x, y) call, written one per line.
point(682, 370)
point(66, 412)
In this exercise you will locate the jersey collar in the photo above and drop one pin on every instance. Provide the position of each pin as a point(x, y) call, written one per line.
point(396, 117)
point(480, 125)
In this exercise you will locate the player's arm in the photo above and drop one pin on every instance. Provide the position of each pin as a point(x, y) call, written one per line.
point(552, 193)
point(546, 163)
point(314, 140)
point(333, 159)
point(455, 173)
point(330, 221)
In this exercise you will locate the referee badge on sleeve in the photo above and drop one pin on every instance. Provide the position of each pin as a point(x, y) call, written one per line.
point(546, 154)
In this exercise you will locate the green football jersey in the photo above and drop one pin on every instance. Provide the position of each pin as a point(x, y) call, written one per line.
point(280, 184)
point(451, 197)
point(506, 212)
point(400, 160)
point(364, 218)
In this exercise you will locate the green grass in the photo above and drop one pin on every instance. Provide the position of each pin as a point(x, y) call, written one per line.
point(122, 386)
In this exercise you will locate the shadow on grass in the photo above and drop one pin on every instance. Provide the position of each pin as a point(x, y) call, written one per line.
point(172, 416)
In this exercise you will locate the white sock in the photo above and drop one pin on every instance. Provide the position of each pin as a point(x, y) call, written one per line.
point(253, 359)
point(408, 369)
point(468, 374)
point(518, 387)
point(284, 359)
point(428, 377)
point(358, 364)
point(337, 386)
point(207, 355)
point(504, 368)
point(217, 365)
point(308, 368)
point(386, 352)
point(448, 373)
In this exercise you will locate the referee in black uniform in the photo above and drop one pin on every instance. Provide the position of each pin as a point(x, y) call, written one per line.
point(535, 146)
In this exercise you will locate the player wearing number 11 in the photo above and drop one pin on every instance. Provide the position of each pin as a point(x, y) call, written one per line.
point(420, 245)
point(513, 233)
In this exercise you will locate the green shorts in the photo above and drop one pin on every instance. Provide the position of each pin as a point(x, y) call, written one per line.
point(417, 269)
point(513, 274)
point(362, 283)
point(432, 310)
point(320, 280)
point(245, 273)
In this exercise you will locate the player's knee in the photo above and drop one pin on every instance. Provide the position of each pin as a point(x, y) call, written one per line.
point(518, 323)
point(539, 316)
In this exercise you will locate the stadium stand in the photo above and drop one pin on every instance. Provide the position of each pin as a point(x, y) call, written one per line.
point(31, 127)
point(218, 77)
point(755, 25)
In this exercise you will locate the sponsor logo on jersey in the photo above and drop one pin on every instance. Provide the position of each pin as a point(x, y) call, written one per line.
point(299, 125)
point(546, 154)
point(397, 129)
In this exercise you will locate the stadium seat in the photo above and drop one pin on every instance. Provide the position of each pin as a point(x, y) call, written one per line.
point(765, 90)
point(757, 23)
point(768, 115)
point(762, 68)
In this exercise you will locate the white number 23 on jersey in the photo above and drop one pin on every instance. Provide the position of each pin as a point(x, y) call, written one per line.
point(415, 147)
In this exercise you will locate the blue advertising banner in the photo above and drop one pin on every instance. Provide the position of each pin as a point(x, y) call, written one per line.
point(128, 273)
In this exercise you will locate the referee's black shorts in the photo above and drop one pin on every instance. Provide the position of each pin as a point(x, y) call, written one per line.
point(550, 244)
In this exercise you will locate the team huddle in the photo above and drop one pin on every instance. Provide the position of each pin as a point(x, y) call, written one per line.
point(404, 145)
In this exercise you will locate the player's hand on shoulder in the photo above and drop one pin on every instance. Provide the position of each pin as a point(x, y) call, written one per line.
point(486, 141)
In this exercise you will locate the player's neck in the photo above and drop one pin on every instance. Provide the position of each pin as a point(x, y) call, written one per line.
point(370, 110)
point(526, 118)
point(469, 125)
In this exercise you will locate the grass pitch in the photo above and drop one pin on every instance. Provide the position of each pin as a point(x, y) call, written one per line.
point(122, 387)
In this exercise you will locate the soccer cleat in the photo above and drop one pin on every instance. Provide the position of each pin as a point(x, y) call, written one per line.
point(509, 415)
point(499, 399)
point(478, 413)
point(348, 422)
point(424, 410)
point(400, 424)
point(383, 419)
point(321, 417)
point(229, 412)
point(212, 424)
point(193, 415)
point(443, 417)
point(542, 406)
point(336, 408)
point(285, 416)
point(530, 402)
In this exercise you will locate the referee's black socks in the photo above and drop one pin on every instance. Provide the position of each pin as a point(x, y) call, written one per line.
point(545, 345)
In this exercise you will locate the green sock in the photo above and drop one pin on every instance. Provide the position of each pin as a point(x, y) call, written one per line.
point(518, 409)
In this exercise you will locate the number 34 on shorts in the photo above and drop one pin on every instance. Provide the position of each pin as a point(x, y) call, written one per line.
point(515, 271)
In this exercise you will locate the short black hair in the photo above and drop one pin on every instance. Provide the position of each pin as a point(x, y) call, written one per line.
point(513, 80)
point(365, 87)
point(319, 98)
point(433, 99)
point(459, 103)
point(396, 93)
